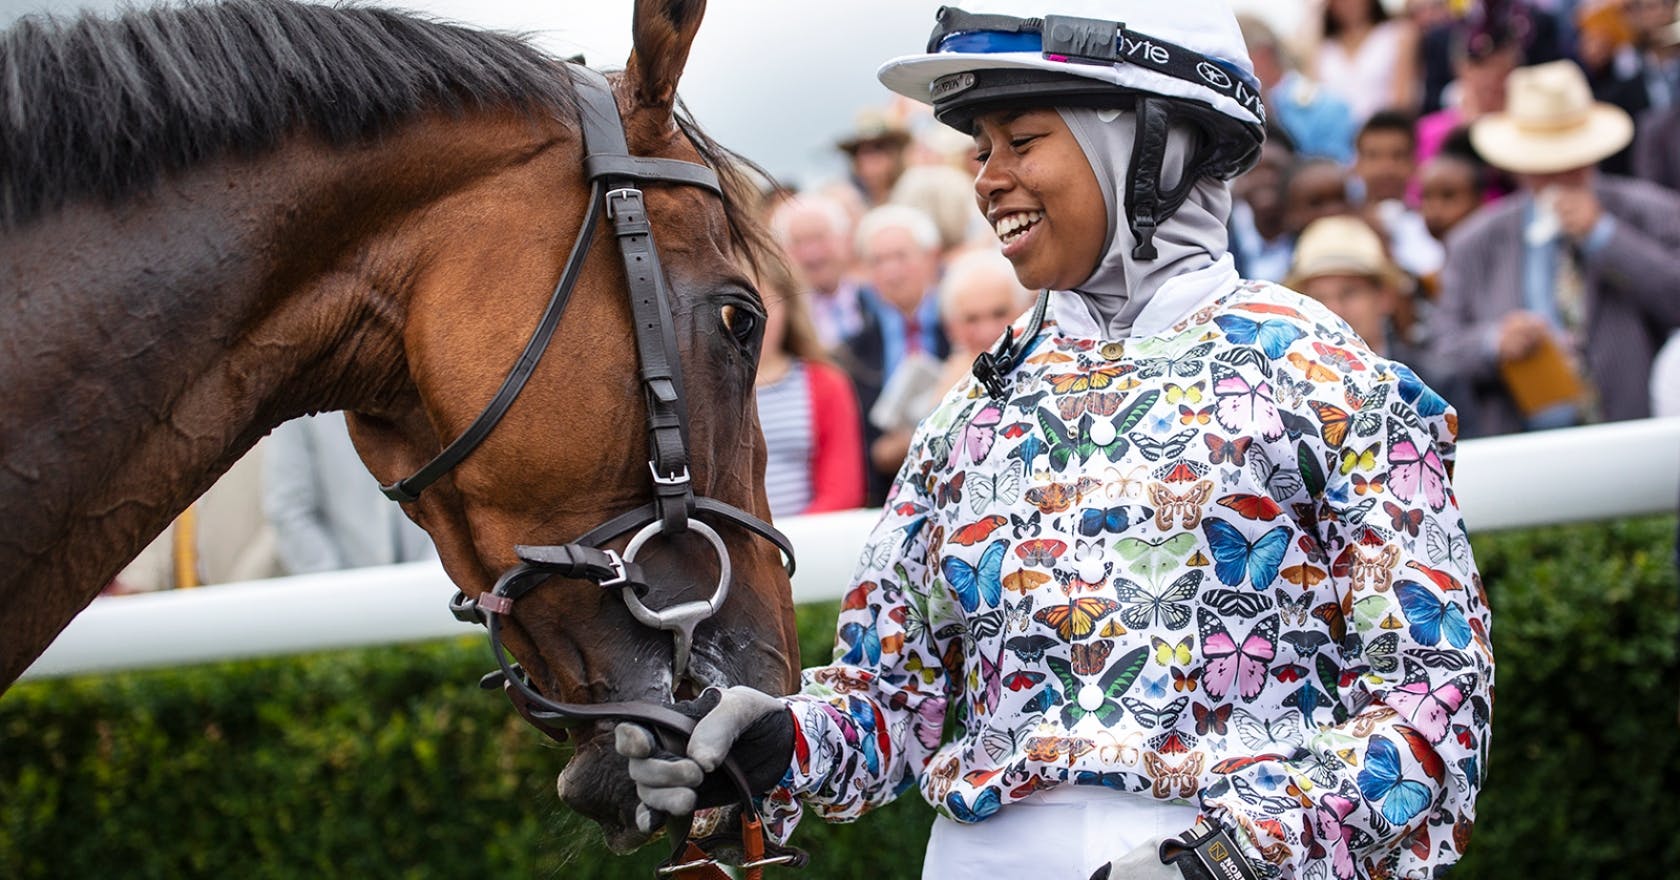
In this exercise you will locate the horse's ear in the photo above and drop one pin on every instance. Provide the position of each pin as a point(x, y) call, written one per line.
point(663, 32)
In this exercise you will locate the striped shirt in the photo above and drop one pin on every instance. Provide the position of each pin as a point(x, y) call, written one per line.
point(784, 412)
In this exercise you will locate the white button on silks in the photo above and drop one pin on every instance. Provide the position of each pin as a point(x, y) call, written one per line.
point(1102, 432)
point(1090, 698)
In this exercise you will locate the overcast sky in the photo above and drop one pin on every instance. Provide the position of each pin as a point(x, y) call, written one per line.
point(778, 80)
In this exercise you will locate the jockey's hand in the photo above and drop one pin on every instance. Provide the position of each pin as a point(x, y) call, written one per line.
point(1142, 863)
point(753, 727)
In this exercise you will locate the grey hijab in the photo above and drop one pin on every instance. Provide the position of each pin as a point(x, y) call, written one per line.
point(1193, 238)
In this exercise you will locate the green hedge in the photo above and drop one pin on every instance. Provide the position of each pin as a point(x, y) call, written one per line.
point(389, 763)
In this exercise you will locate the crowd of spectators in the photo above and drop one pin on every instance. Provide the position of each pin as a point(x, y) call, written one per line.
point(1484, 189)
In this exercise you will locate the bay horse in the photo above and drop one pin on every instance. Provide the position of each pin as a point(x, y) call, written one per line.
point(215, 218)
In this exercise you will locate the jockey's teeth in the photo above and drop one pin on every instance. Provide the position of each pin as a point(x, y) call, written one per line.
point(1010, 227)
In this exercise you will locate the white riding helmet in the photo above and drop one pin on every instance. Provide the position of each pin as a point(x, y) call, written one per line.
point(1169, 61)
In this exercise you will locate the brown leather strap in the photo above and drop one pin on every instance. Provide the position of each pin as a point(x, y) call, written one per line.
point(752, 846)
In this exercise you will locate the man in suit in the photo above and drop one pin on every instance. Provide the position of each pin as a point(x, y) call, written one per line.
point(1584, 261)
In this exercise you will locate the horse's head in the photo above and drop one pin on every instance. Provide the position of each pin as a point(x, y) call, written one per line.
point(573, 450)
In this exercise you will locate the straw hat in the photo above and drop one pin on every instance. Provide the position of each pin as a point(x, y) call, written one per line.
point(1342, 245)
point(874, 125)
point(1551, 123)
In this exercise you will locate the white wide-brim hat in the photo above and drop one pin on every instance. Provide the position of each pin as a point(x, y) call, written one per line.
point(1551, 123)
point(1207, 27)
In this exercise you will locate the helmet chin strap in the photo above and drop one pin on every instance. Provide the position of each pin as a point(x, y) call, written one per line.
point(1147, 206)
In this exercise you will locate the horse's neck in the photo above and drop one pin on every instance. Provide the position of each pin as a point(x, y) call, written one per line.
point(146, 349)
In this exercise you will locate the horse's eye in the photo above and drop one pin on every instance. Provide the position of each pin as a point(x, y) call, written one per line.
point(742, 323)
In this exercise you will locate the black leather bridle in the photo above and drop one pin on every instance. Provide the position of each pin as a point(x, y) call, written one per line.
point(614, 176)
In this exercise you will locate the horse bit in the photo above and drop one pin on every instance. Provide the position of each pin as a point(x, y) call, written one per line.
point(614, 174)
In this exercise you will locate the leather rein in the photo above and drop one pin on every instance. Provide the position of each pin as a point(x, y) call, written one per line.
point(615, 177)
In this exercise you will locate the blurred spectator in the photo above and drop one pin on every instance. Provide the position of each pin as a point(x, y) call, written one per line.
point(1340, 261)
point(875, 149)
point(327, 511)
point(978, 299)
point(946, 195)
point(1313, 189)
point(1570, 282)
point(1536, 33)
point(816, 234)
point(899, 247)
point(1484, 51)
point(1260, 240)
point(1451, 190)
point(221, 538)
point(806, 408)
point(1366, 58)
point(1318, 122)
point(1656, 152)
point(1383, 170)
point(1645, 74)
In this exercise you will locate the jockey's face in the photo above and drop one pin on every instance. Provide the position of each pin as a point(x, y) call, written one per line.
point(1041, 197)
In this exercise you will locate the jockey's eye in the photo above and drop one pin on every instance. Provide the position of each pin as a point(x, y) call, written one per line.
point(742, 322)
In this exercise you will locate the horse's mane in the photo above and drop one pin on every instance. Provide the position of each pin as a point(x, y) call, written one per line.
point(104, 107)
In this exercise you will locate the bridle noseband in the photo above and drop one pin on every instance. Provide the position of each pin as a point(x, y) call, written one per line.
point(614, 176)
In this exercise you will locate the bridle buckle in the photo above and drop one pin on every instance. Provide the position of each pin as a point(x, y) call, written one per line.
point(623, 192)
point(619, 576)
point(677, 479)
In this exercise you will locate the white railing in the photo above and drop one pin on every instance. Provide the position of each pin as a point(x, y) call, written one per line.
point(1583, 474)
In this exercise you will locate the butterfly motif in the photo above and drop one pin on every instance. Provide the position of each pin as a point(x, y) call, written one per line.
point(1246, 357)
point(1090, 657)
point(857, 642)
point(1024, 581)
point(1237, 603)
point(1221, 450)
point(1412, 390)
point(1274, 336)
point(914, 665)
point(1174, 780)
point(1107, 690)
point(1252, 507)
point(1149, 716)
point(977, 436)
point(987, 802)
point(1154, 687)
point(1078, 618)
point(1094, 379)
point(1020, 615)
point(1030, 525)
point(1000, 744)
point(1359, 461)
point(1432, 617)
point(978, 531)
point(1382, 780)
point(1281, 483)
point(1210, 719)
point(1166, 607)
point(1003, 489)
point(1305, 642)
point(977, 584)
point(1118, 485)
point(1227, 663)
point(1155, 450)
point(1167, 653)
point(1339, 359)
point(1097, 403)
point(1412, 472)
point(1112, 629)
point(1154, 558)
point(1184, 506)
point(1453, 549)
point(1184, 366)
point(1259, 734)
point(1293, 612)
point(1030, 648)
point(1188, 416)
point(1241, 407)
point(1368, 569)
point(1084, 440)
point(1382, 653)
point(1185, 681)
point(1372, 486)
point(1237, 559)
point(950, 491)
point(1408, 521)
point(1094, 521)
point(1052, 498)
point(1190, 394)
point(1429, 710)
point(1311, 370)
point(1040, 552)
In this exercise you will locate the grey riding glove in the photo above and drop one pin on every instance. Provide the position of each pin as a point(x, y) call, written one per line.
point(753, 727)
point(1205, 852)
